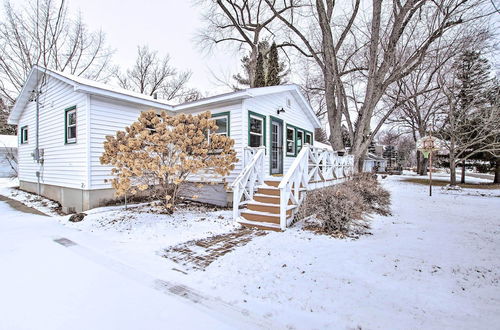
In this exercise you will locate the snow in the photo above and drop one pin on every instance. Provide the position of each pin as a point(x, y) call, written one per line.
point(433, 264)
point(8, 141)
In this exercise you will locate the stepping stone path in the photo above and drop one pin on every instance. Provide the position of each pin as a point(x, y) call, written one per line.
point(199, 254)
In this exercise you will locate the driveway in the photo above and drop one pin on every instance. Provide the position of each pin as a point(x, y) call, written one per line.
point(49, 281)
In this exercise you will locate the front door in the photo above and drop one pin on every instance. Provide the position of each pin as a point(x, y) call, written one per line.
point(276, 146)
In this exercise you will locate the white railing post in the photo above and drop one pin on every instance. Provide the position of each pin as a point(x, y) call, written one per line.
point(243, 185)
point(236, 202)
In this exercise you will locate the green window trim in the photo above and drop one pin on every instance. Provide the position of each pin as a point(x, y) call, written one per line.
point(264, 125)
point(293, 153)
point(222, 114)
point(21, 134)
point(296, 133)
point(66, 141)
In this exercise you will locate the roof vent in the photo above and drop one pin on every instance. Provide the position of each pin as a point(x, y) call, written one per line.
point(155, 96)
point(288, 103)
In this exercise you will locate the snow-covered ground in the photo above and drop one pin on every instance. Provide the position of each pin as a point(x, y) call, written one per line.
point(433, 264)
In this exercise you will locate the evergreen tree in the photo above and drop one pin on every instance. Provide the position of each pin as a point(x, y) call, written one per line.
point(260, 76)
point(320, 135)
point(273, 67)
point(475, 85)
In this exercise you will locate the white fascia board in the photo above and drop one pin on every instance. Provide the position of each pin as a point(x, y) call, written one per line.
point(213, 100)
point(122, 97)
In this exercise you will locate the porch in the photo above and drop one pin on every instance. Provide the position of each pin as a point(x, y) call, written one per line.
point(271, 202)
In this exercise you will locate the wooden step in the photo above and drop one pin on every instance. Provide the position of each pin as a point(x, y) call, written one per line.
point(260, 216)
point(268, 207)
point(269, 199)
point(268, 191)
point(259, 225)
point(272, 183)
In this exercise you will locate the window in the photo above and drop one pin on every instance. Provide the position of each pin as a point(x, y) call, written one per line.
point(70, 123)
point(290, 141)
point(308, 138)
point(256, 130)
point(24, 134)
point(300, 139)
point(222, 122)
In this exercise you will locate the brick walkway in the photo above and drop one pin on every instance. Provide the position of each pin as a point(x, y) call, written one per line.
point(199, 254)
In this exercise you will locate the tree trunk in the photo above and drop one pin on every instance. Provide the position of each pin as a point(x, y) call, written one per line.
point(419, 162)
point(497, 171)
point(453, 172)
point(462, 177)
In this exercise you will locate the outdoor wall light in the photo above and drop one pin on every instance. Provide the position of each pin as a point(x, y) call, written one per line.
point(280, 110)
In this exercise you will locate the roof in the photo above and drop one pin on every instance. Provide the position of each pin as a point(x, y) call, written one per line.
point(9, 141)
point(93, 87)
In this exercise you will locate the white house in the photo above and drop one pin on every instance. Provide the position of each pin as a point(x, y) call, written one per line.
point(8, 156)
point(59, 152)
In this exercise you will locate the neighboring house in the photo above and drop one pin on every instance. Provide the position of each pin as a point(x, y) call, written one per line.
point(374, 163)
point(76, 115)
point(8, 156)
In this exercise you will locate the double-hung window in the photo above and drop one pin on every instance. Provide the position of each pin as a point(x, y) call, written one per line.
point(222, 122)
point(70, 125)
point(300, 140)
point(256, 130)
point(290, 141)
point(24, 134)
point(308, 139)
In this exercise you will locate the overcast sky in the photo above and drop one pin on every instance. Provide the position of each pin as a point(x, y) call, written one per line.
point(168, 26)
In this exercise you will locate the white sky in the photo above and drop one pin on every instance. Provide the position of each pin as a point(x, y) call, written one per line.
point(168, 26)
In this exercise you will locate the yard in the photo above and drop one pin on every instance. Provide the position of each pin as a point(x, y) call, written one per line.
point(433, 264)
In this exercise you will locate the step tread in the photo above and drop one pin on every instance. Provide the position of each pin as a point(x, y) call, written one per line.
point(259, 223)
point(253, 202)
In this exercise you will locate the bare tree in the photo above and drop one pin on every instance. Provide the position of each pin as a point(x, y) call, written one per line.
point(154, 76)
point(245, 23)
point(365, 57)
point(42, 33)
point(468, 128)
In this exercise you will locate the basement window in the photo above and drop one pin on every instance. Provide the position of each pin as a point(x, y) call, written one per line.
point(70, 125)
point(24, 134)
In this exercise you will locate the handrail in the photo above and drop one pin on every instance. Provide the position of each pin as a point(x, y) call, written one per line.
point(243, 185)
point(312, 168)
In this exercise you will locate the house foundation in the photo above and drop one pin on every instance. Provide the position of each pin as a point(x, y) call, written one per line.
point(78, 200)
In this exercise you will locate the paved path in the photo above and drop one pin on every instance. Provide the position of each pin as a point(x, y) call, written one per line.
point(49, 281)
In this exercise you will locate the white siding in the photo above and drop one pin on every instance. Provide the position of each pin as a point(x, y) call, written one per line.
point(268, 105)
point(107, 116)
point(235, 132)
point(64, 164)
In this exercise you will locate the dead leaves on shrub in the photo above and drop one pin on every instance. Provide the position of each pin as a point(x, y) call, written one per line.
point(340, 210)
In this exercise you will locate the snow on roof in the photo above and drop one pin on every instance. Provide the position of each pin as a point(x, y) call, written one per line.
point(9, 141)
point(99, 88)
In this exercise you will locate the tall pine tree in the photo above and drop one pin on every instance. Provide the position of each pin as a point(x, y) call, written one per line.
point(273, 67)
point(260, 76)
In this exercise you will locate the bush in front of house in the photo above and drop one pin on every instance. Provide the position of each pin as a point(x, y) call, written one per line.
point(341, 209)
point(157, 153)
point(375, 197)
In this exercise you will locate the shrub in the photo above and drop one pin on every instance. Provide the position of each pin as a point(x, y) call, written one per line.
point(158, 152)
point(340, 209)
point(336, 208)
point(374, 196)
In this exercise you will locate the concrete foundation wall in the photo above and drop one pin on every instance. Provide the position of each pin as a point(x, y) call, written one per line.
point(79, 200)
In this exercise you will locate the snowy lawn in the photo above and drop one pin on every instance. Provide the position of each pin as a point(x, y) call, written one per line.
point(433, 264)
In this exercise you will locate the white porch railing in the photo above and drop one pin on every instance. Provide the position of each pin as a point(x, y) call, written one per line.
point(253, 172)
point(313, 168)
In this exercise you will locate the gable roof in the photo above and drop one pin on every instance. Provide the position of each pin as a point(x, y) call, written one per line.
point(97, 88)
